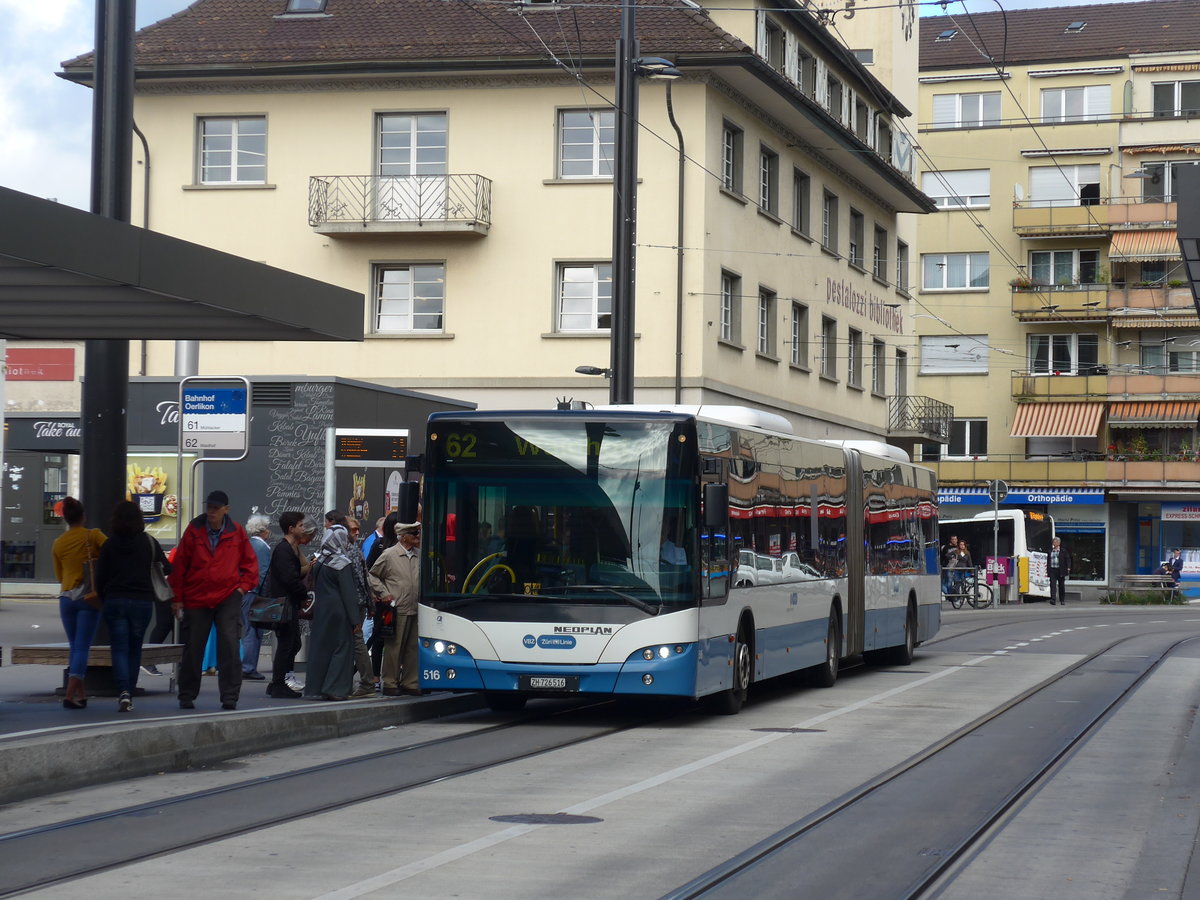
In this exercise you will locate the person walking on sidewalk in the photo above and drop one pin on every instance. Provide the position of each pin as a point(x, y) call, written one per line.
point(285, 578)
point(215, 567)
point(1058, 564)
point(395, 578)
point(259, 529)
point(80, 618)
point(123, 579)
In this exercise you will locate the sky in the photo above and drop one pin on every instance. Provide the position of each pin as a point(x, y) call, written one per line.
point(45, 141)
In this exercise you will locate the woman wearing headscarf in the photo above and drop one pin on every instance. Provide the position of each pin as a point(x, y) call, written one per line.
point(330, 674)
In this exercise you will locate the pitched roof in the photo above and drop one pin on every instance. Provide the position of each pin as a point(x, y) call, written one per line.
point(1040, 35)
point(230, 34)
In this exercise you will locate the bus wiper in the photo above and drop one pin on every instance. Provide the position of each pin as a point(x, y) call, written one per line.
point(645, 607)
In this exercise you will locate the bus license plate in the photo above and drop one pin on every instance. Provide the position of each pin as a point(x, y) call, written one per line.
point(549, 682)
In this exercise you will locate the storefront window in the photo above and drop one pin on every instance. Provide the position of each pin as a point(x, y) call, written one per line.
point(1087, 554)
point(54, 488)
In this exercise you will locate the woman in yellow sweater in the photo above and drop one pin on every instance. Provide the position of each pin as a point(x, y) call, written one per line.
point(79, 617)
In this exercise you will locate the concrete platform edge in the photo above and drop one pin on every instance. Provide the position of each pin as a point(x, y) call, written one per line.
point(38, 765)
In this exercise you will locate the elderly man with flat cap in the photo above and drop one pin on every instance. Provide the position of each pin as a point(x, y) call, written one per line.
point(396, 579)
point(214, 566)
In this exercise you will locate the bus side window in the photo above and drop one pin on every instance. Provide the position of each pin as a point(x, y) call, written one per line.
point(714, 542)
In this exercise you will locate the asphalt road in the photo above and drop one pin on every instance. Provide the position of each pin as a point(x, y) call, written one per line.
point(652, 804)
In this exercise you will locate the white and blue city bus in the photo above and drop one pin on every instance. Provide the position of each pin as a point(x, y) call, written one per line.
point(594, 553)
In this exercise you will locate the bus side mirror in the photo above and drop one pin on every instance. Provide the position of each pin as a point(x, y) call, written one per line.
point(716, 506)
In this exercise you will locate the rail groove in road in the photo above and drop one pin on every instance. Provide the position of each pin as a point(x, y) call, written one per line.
point(37, 858)
point(895, 836)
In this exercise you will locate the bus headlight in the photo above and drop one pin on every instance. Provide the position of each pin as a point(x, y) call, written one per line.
point(664, 652)
point(439, 647)
point(647, 679)
point(647, 654)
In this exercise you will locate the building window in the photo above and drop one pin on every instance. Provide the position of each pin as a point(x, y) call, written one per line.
point(1064, 185)
point(883, 139)
point(854, 360)
point(901, 373)
point(1077, 104)
point(772, 50)
point(1063, 354)
point(968, 440)
point(409, 297)
point(955, 354)
point(305, 6)
point(731, 158)
point(233, 151)
point(584, 296)
point(954, 271)
point(902, 266)
point(411, 144)
point(808, 73)
point(878, 367)
point(768, 181)
point(879, 266)
point(966, 110)
point(799, 355)
point(963, 189)
point(585, 143)
point(856, 238)
point(731, 290)
point(801, 202)
point(1176, 98)
point(829, 222)
point(1161, 359)
point(1160, 187)
point(833, 95)
point(765, 343)
point(866, 57)
point(1064, 267)
point(862, 119)
point(828, 347)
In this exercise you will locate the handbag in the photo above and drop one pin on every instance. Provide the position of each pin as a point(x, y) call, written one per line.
point(269, 612)
point(158, 578)
point(87, 589)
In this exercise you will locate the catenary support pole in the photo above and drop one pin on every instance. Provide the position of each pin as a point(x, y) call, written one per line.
point(624, 212)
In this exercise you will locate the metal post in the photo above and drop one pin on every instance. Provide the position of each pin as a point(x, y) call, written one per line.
point(624, 211)
point(106, 363)
point(996, 544)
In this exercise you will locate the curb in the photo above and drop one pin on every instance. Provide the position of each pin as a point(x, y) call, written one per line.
point(86, 756)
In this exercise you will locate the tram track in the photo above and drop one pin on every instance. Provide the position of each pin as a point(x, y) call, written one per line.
point(37, 858)
point(871, 843)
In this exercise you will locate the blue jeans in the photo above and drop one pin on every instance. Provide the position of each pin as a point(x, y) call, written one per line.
point(251, 637)
point(80, 622)
point(127, 621)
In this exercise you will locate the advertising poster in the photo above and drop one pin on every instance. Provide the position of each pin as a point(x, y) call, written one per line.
point(150, 483)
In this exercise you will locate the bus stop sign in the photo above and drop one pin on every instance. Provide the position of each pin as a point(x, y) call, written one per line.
point(997, 490)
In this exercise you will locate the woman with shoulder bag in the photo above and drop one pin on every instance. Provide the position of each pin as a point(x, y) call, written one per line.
point(285, 578)
point(124, 578)
point(78, 605)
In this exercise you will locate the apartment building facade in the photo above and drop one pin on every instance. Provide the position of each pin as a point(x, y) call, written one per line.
point(454, 163)
point(1055, 314)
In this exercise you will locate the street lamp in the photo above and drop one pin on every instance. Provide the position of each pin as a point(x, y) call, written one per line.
point(594, 370)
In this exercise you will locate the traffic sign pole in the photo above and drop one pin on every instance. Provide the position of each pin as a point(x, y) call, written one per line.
point(214, 414)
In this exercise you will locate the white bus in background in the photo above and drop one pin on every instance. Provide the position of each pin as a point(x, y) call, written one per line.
point(1023, 534)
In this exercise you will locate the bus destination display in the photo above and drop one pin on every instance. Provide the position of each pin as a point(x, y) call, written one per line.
point(366, 447)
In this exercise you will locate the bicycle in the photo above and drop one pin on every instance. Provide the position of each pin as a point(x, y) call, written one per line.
point(972, 589)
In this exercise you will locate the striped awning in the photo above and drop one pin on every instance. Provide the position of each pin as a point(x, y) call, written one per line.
point(1167, 67)
point(1142, 246)
point(1155, 321)
point(1057, 419)
point(1161, 148)
point(1163, 413)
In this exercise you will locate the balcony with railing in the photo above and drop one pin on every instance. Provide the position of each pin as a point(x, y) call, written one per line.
point(1078, 469)
point(915, 418)
point(1138, 212)
point(1143, 382)
point(1030, 387)
point(1057, 302)
point(1038, 218)
point(346, 205)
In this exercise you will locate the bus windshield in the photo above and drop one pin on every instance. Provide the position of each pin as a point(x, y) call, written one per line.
point(560, 508)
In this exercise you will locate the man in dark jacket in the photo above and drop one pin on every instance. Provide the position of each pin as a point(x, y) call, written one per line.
point(214, 566)
point(1058, 562)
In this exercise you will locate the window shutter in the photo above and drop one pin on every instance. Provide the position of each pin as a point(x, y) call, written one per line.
point(945, 109)
point(1098, 101)
point(821, 89)
point(791, 58)
point(761, 33)
point(1049, 187)
point(848, 103)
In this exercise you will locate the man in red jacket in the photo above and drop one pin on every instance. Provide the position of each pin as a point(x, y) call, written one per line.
point(213, 568)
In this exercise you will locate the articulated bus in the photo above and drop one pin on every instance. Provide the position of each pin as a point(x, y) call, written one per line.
point(597, 552)
point(1024, 535)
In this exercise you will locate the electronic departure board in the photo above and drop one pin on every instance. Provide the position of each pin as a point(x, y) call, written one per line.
point(370, 446)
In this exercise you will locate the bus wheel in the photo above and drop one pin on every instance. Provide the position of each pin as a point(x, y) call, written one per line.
point(825, 675)
point(902, 655)
point(729, 703)
point(505, 702)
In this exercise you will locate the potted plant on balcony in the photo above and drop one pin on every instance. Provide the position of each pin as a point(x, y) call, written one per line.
point(1139, 447)
point(1022, 283)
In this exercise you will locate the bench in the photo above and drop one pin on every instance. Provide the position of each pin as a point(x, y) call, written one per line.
point(99, 676)
point(1147, 584)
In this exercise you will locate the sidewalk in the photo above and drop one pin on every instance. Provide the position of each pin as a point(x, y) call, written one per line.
point(46, 749)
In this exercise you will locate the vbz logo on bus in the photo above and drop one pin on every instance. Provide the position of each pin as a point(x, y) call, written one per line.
point(529, 641)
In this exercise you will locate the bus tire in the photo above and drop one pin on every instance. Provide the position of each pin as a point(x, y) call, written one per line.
point(825, 675)
point(729, 703)
point(902, 655)
point(504, 702)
